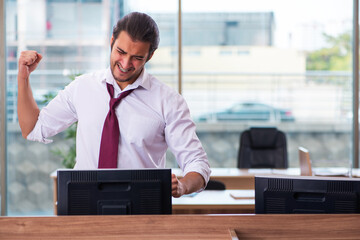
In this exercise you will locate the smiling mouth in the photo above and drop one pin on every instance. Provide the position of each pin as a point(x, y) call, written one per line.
point(123, 69)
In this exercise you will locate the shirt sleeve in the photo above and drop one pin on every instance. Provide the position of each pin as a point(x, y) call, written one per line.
point(180, 134)
point(58, 115)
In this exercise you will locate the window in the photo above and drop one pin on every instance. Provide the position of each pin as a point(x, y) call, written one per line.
point(285, 54)
point(73, 37)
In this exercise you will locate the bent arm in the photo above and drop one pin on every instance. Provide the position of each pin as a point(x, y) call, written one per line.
point(28, 111)
point(180, 134)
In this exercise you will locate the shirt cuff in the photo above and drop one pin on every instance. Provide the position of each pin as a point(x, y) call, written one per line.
point(36, 135)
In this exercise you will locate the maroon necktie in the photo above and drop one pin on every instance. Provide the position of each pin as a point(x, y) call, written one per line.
point(111, 133)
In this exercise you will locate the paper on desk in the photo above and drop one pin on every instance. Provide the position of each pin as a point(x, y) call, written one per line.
point(260, 170)
point(242, 194)
point(331, 172)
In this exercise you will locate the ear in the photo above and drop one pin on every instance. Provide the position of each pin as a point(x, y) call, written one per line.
point(111, 40)
point(150, 56)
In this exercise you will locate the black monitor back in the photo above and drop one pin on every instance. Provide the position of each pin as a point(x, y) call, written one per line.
point(114, 192)
point(300, 194)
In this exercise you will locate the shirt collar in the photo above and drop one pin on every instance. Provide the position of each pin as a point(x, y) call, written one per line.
point(142, 81)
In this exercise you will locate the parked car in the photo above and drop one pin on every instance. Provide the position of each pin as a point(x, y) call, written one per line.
point(250, 111)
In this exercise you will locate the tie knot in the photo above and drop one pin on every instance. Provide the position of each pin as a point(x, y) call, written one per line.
point(115, 101)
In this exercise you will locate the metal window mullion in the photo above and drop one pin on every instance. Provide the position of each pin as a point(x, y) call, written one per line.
point(179, 48)
point(3, 109)
point(355, 157)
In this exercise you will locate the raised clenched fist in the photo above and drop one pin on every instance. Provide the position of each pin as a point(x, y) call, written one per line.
point(28, 62)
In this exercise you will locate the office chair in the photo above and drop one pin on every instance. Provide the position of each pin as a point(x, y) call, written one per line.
point(215, 185)
point(262, 148)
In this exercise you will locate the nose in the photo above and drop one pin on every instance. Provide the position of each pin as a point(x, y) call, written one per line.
point(126, 62)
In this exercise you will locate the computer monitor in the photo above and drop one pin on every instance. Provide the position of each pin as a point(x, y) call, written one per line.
point(306, 194)
point(114, 192)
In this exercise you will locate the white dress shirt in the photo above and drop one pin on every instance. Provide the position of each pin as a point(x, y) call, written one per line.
point(151, 119)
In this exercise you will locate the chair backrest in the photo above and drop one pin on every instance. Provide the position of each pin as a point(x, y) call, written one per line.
point(215, 185)
point(262, 148)
point(305, 162)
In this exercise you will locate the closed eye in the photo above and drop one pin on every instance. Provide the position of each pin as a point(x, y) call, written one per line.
point(137, 57)
point(121, 51)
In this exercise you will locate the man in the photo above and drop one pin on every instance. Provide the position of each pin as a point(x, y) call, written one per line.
point(151, 118)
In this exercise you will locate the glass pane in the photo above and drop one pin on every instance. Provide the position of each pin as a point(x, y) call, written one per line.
point(73, 37)
point(274, 63)
point(164, 64)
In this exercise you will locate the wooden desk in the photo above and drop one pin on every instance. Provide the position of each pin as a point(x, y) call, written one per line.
point(234, 178)
point(203, 227)
point(215, 202)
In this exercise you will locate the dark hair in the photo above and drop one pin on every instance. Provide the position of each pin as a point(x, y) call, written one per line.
point(140, 27)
